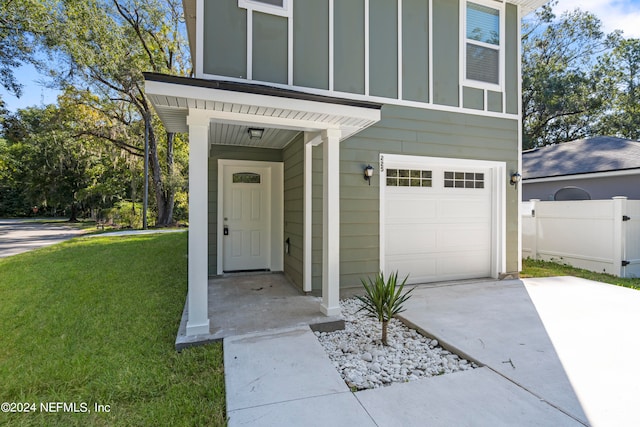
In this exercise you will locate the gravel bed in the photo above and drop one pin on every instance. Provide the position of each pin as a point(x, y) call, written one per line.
point(363, 362)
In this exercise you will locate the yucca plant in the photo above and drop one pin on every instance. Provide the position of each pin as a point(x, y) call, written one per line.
point(384, 299)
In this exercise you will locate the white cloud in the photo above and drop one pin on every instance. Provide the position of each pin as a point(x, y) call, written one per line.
point(615, 14)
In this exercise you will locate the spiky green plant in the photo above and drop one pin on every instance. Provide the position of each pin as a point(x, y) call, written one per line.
point(384, 299)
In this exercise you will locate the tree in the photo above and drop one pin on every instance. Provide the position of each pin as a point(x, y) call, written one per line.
point(51, 167)
point(22, 22)
point(107, 44)
point(561, 96)
point(620, 78)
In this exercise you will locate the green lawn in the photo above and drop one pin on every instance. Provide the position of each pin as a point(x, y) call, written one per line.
point(93, 321)
point(531, 268)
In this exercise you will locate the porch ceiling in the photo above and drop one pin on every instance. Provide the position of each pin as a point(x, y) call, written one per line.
point(233, 108)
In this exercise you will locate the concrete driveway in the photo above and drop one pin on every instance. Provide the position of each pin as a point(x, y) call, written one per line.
point(571, 342)
point(556, 352)
point(19, 235)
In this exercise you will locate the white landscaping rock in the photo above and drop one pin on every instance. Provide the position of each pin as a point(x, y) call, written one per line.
point(363, 362)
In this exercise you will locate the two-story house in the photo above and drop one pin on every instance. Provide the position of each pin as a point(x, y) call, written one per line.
point(333, 139)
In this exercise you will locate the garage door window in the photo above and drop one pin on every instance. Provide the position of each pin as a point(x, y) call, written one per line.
point(409, 178)
point(453, 179)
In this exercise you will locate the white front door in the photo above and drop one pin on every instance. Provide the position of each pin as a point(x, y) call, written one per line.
point(246, 218)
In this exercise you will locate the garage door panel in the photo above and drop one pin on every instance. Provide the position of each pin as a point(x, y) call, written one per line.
point(407, 266)
point(463, 238)
point(402, 210)
point(465, 209)
point(401, 239)
point(440, 232)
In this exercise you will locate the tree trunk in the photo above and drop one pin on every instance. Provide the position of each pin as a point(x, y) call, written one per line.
point(164, 194)
point(384, 332)
point(74, 212)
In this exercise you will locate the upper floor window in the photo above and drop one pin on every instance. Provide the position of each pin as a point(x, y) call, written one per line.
point(273, 7)
point(483, 44)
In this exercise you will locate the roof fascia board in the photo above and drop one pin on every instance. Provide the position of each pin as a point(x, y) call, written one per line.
point(608, 174)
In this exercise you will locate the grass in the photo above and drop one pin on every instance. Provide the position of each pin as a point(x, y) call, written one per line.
point(534, 268)
point(94, 321)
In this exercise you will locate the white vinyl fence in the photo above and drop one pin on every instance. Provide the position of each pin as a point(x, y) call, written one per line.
point(597, 235)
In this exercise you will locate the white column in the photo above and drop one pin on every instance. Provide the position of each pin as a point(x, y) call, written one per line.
point(198, 298)
point(331, 222)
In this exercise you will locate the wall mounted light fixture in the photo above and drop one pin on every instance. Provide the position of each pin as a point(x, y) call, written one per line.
point(368, 173)
point(255, 133)
point(515, 178)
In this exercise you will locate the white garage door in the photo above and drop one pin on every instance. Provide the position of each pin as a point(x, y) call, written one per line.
point(437, 220)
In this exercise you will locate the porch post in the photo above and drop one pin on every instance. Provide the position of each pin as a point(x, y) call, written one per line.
point(197, 298)
point(331, 222)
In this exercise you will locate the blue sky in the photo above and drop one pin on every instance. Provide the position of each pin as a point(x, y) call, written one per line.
point(615, 14)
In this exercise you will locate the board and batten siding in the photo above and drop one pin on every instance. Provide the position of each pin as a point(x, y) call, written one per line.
point(374, 48)
point(408, 131)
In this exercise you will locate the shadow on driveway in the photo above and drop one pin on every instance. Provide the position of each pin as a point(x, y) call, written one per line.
point(570, 342)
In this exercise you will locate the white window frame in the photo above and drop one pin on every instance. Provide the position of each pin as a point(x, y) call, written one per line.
point(500, 7)
point(259, 6)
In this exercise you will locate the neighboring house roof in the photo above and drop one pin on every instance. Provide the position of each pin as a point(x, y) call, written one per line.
point(583, 156)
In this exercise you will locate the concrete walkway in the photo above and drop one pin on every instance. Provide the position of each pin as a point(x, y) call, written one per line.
point(20, 235)
point(556, 352)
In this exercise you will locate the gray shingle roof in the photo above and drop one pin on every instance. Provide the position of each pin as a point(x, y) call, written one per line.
point(598, 154)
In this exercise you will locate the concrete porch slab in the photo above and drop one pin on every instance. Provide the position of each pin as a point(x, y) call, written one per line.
point(246, 303)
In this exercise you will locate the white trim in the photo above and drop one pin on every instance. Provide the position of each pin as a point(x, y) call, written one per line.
point(498, 220)
point(199, 71)
point(307, 233)
point(399, 49)
point(249, 44)
point(431, 52)
point(499, 6)
point(276, 245)
point(290, 45)
point(259, 6)
point(594, 175)
point(366, 47)
point(331, 49)
point(378, 99)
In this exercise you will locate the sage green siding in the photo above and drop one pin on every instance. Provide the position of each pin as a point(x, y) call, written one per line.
point(446, 62)
point(473, 98)
point(225, 50)
point(348, 46)
point(230, 152)
point(494, 101)
point(512, 79)
point(383, 48)
point(415, 50)
point(293, 156)
point(311, 43)
point(225, 39)
point(270, 48)
point(409, 131)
